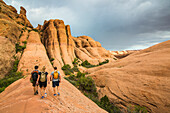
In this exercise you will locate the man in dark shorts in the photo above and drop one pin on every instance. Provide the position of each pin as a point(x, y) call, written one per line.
point(34, 79)
point(56, 79)
point(43, 82)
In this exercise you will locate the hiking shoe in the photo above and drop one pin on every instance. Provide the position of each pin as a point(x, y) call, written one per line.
point(45, 95)
point(58, 94)
point(35, 93)
point(42, 97)
point(55, 95)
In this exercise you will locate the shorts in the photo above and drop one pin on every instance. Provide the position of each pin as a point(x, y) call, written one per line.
point(34, 83)
point(43, 84)
point(55, 83)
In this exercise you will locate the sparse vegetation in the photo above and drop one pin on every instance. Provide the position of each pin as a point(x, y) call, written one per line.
point(88, 65)
point(11, 77)
point(87, 86)
point(51, 61)
point(19, 48)
point(104, 62)
point(136, 109)
point(20, 34)
point(35, 30)
point(67, 69)
point(115, 58)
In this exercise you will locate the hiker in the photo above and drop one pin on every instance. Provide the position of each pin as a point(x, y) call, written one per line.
point(43, 82)
point(56, 79)
point(34, 79)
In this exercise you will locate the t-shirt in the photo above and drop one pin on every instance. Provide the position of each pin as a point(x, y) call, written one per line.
point(53, 75)
point(46, 73)
point(37, 74)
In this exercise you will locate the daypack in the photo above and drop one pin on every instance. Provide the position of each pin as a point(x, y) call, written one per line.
point(35, 75)
point(43, 77)
point(55, 75)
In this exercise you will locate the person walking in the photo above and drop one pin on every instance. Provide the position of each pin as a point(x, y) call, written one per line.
point(56, 79)
point(34, 79)
point(43, 82)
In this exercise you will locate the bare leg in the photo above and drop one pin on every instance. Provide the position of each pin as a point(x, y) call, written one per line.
point(45, 90)
point(54, 90)
point(42, 91)
point(34, 89)
point(58, 88)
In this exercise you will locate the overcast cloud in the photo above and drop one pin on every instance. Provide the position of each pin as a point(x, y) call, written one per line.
point(116, 24)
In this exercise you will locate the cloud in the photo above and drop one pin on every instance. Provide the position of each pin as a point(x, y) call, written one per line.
point(117, 24)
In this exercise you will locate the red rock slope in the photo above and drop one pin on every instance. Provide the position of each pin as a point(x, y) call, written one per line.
point(19, 98)
point(142, 78)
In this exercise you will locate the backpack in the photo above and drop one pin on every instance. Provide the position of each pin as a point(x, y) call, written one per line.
point(43, 77)
point(35, 75)
point(56, 75)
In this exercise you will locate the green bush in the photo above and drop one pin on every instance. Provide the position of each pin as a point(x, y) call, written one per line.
point(52, 59)
point(35, 30)
point(19, 48)
point(24, 42)
point(108, 106)
point(67, 69)
point(104, 62)
point(75, 62)
point(86, 84)
point(79, 74)
point(88, 65)
point(75, 69)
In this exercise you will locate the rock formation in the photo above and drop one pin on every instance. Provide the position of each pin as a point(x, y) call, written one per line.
point(11, 26)
point(71, 99)
point(63, 47)
point(7, 51)
point(141, 79)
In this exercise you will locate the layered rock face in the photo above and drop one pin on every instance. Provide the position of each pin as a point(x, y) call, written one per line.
point(142, 78)
point(11, 22)
point(63, 47)
point(20, 93)
point(11, 25)
point(7, 51)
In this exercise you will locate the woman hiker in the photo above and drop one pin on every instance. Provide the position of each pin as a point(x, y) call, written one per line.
point(43, 82)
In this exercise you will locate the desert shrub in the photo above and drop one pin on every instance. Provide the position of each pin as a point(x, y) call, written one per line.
point(75, 62)
point(52, 59)
point(24, 42)
point(115, 58)
point(87, 64)
point(79, 74)
point(86, 84)
point(67, 69)
point(104, 62)
point(29, 31)
point(35, 30)
point(75, 69)
point(19, 48)
point(12, 76)
point(108, 106)
point(140, 109)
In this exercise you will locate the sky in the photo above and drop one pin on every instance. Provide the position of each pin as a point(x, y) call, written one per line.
point(116, 24)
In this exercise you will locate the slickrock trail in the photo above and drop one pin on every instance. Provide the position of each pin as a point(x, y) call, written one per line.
point(19, 98)
point(142, 78)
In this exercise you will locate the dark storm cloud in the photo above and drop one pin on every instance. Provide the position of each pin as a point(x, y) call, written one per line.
point(117, 24)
